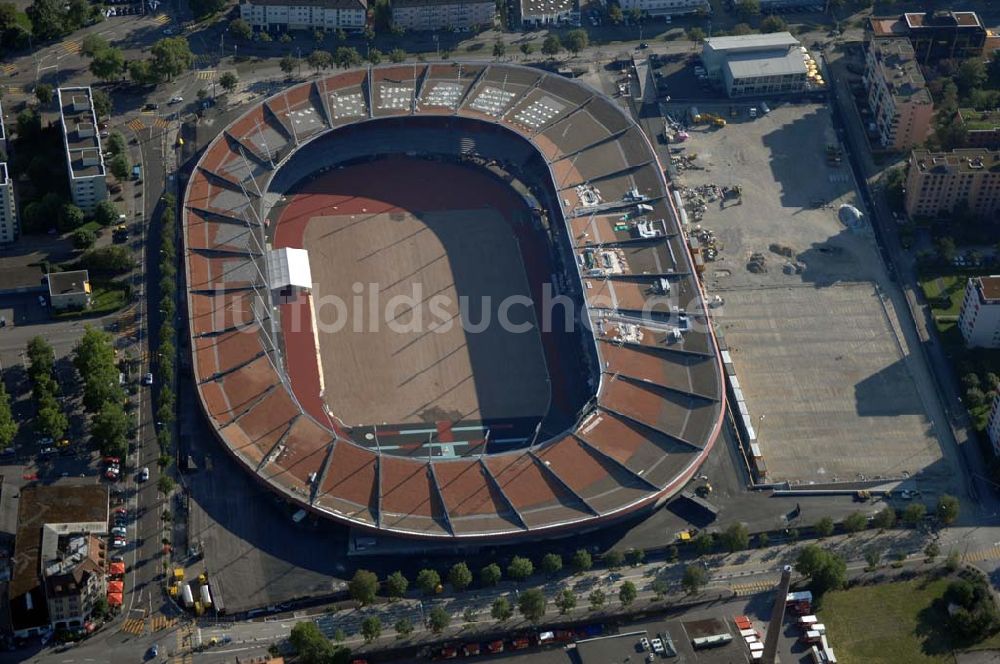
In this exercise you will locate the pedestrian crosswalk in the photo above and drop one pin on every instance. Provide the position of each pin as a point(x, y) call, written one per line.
point(71, 46)
point(160, 123)
point(182, 652)
point(136, 125)
point(14, 90)
point(205, 74)
point(8, 69)
point(991, 553)
point(160, 621)
point(752, 588)
point(134, 624)
point(161, 19)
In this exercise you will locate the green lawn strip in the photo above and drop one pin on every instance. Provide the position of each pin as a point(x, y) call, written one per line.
point(105, 297)
point(891, 623)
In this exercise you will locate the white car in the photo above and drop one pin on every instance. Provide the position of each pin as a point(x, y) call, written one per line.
point(176, 100)
point(147, 379)
point(119, 543)
point(42, 302)
point(658, 646)
point(144, 475)
point(119, 531)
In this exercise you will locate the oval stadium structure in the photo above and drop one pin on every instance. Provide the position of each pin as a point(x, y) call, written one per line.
point(512, 170)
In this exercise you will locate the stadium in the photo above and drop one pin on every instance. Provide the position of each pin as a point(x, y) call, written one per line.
point(448, 301)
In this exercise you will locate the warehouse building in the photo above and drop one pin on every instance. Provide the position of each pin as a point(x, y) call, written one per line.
point(979, 319)
point(897, 94)
point(349, 15)
point(84, 160)
point(939, 182)
point(417, 15)
point(754, 65)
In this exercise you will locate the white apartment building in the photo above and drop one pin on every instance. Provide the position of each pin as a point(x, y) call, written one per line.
point(897, 94)
point(9, 228)
point(84, 159)
point(349, 15)
point(666, 7)
point(419, 15)
point(993, 425)
point(979, 319)
point(538, 13)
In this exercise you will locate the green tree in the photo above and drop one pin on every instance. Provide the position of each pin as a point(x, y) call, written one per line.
point(171, 57)
point(773, 23)
point(375, 56)
point(696, 34)
point(70, 217)
point(459, 576)
point(884, 518)
point(763, 540)
point(371, 628)
point(953, 561)
point(347, 57)
point(873, 556)
point(695, 577)
point(614, 559)
point(240, 29)
point(428, 581)
point(319, 59)
point(597, 598)
point(627, 593)
point(520, 568)
point(110, 260)
point(108, 64)
point(8, 426)
point(93, 44)
point(285, 38)
point(825, 569)
point(363, 586)
point(576, 41)
point(932, 551)
point(947, 509)
point(855, 522)
point(824, 527)
point(552, 563)
point(438, 619)
point(914, 513)
point(565, 600)
point(741, 29)
point(703, 543)
point(526, 48)
point(43, 93)
point(397, 55)
point(29, 125)
point(109, 427)
point(615, 14)
point(635, 556)
point(205, 8)
point(396, 585)
point(50, 420)
point(499, 48)
point(501, 609)
point(229, 81)
point(115, 143)
point(100, 608)
point(490, 575)
point(403, 627)
point(582, 561)
point(142, 72)
point(47, 19)
point(83, 238)
point(551, 46)
point(971, 75)
point(119, 167)
point(748, 7)
point(310, 644)
point(41, 358)
point(660, 587)
point(735, 538)
point(288, 64)
point(165, 484)
point(531, 604)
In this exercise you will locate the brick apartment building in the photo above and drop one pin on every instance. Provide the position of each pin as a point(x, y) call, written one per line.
point(897, 94)
point(939, 182)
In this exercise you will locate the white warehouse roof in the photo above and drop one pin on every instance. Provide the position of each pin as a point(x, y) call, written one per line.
point(288, 267)
point(773, 40)
point(772, 63)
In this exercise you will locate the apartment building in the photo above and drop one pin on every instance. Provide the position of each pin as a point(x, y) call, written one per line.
point(979, 318)
point(75, 580)
point(9, 228)
point(666, 7)
point(416, 15)
point(936, 36)
point(84, 160)
point(753, 65)
point(349, 15)
point(897, 94)
point(939, 182)
point(993, 425)
point(538, 13)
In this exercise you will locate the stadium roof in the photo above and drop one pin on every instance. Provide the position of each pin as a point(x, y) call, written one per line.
point(660, 401)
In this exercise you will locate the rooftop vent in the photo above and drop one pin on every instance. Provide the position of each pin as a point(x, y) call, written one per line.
point(976, 162)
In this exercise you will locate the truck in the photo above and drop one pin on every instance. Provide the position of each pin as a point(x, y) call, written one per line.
point(187, 598)
point(206, 596)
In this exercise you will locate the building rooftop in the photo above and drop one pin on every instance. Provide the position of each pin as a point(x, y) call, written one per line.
point(430, 3)
point(543, 7)
point(974, 120)
point(895, 58)
point(770, 41)
point(80, 132)
point(38, 506)
point(989, 288)
point(76, 282)
point(78, 560)
point(3, 135)
point(969, 160)
point(328, 4)
point(919, 20)
point(778, 62)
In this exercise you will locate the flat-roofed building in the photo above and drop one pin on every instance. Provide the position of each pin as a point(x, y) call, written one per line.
point(897, 94)
point(84, 161)
point(46, 517)
point(753, 65)
point(939, 182)
point(979, 319)
point(69, 290)
point(417, 15)
point(536, 13)
point(936, 36)
point(9, 228)
point(666, 7)
point(349, 15)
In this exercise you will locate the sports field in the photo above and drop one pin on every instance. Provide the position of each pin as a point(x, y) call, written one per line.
point(412, 263)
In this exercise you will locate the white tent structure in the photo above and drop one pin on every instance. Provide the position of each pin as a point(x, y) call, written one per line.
point(288, 272)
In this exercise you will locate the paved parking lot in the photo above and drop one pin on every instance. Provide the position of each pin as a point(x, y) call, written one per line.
point(818, 350)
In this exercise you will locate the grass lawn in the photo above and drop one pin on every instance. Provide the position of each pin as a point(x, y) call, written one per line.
point(891, 623)
point(944, 293)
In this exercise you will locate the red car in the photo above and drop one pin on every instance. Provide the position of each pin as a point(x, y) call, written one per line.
point(112, 461)
point(111, 475)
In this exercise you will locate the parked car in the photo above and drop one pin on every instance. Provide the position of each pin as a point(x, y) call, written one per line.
point(119, 531)
point(47, 451)
point(112, 460)
point(176, 100)
point(144, 475)
point(147, 379)
point(119, 543)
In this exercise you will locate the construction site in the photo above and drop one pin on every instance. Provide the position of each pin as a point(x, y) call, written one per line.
point(801, 301)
